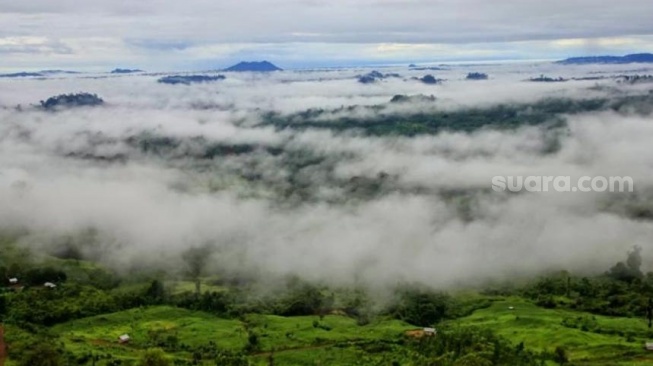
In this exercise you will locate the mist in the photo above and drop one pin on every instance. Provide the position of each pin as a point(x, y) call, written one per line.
point(342, 207)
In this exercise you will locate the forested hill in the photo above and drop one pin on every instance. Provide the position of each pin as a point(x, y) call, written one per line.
point(628, 59)
point(384, 120)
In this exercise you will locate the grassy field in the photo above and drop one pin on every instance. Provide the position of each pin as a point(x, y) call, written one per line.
point(289, 339)
point(278, 332)
point(339, 340)
point(100, 333)
point(603, 340)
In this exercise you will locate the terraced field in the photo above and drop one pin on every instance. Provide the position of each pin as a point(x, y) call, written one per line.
point(589, 339)
point(291, 339)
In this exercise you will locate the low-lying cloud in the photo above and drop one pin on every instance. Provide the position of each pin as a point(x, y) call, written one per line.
point(339, 207)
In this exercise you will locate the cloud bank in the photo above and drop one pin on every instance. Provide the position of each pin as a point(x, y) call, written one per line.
point(337, 207)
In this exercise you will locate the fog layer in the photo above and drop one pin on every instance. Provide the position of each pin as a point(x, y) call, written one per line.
point(159, 169)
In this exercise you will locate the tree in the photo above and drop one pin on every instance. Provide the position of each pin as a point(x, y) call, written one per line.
point(154, 357)
point(228, 358)
point(3, 306)
point(42, 354)
point(630, 270)
point(156, 292)
point(634, 261)
point(422, 307)
point(649, 312)
point(39, 276)
point(301, 298)
point(620, 272)
point(196, 259)
point(560, 355)
point(252, 342)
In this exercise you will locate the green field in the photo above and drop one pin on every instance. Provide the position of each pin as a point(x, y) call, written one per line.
point(291, 339)
point(100, 333)
point(613, 340)
point(338, 340)
point(531, 324)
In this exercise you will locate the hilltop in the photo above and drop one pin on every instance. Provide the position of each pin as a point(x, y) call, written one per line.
point(255, 66)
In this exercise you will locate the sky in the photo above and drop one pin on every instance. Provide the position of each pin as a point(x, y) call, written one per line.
point(163, 35)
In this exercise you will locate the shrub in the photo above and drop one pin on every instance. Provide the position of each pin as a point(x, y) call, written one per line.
point(154, 357)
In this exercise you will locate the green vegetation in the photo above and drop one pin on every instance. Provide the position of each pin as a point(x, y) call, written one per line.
point(71, 100)
point(557, 319)
point(381, 120)
point(610, 340)
point(245, 168)
point(64, 307)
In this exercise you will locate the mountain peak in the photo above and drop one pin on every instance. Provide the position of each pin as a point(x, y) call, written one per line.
point(256, 66)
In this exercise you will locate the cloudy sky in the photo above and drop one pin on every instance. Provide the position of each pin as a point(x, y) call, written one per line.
point(204, 34)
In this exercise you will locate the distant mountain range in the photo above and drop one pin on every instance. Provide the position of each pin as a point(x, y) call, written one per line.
point(125, 71)
point(256, 66)
point(55, 72)
point(628, 59)
point(190, 79)
point(21, 75)
point(41, 73)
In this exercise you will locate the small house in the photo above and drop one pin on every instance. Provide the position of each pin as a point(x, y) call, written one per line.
point(648, 346)
point(13, 281)
point(49, 285)
point(429, 332)
point(125, 338)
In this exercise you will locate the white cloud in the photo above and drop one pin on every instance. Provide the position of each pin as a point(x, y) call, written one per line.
point(157, 206)
point(265, 26)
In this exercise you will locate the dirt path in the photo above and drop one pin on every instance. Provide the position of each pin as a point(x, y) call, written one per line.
point(3, 346)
